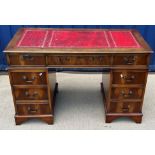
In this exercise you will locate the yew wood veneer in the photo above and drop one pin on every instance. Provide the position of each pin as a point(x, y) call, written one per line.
point(34, 93)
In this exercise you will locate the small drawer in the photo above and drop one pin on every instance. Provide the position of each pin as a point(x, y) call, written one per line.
point(28, 78)
point(129, 77)
point(132, 59)
point(127, 93)
point(33, 109)
point(26, 59)
point(83, 60)
point(31, 93)
point(125, 107)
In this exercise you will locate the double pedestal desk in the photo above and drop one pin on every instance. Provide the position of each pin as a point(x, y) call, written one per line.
point(32, 52)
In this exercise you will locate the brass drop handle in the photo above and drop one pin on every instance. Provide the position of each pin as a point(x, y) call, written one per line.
point(26, 79)
point(126, 78)
point(35, 94)
point(27, 57)
point(27, 93)
point(31, 96)
point(130, 93)
point(129, 60)
point(126, 109)
point(32, 110)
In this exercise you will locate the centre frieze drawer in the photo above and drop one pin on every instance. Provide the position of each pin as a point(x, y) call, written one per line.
point(88, 60)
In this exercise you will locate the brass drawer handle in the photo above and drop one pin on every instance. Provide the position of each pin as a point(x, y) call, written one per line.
point(129, 60)
point(35, 94)
point(125, 109)
point(26, 79)
point(31, 96)
point(32, 110)
point(130, 93)
point(27, 93)
point(27, 57)
point(126, 78)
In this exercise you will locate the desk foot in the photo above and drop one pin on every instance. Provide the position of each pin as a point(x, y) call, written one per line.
point(19, 120)
point(109, 119)
point(49, 120)
point(137, 118)
point(46, 118)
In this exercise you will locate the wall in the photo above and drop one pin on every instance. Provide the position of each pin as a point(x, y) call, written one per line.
point(7, 32)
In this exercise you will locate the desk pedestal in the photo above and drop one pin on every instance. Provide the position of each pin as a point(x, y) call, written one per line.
point(124, 95)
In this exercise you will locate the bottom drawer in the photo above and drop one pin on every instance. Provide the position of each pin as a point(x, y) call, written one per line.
point(33, 109)
point(125, 107)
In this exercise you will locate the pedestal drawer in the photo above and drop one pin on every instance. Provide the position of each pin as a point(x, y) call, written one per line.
point(127, 93)
point(129, 77)
point(28, 77)
point(27, 59)
point(31, 93)
point(130, 59)
point(96, 60)
point(125, 107)
point(33, 109)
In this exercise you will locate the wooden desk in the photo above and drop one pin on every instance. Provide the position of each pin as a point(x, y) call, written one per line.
point(32, 52)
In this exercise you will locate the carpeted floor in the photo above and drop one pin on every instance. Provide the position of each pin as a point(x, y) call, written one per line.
point(79, 105)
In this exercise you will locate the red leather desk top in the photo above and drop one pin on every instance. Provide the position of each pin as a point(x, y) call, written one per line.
point(44, 38)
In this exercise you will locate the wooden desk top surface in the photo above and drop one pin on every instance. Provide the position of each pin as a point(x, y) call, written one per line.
point(42, 40)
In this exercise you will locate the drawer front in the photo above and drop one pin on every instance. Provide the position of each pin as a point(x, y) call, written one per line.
point(28, 78)
point(129, 77)
point(79, 60)
point(125, 107)
point(132, 59)
point(127, 93)
point(27, 59)
point(33, 109)
point(31, 93)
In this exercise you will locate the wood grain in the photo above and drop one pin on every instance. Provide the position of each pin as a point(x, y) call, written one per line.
point(34, 95)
